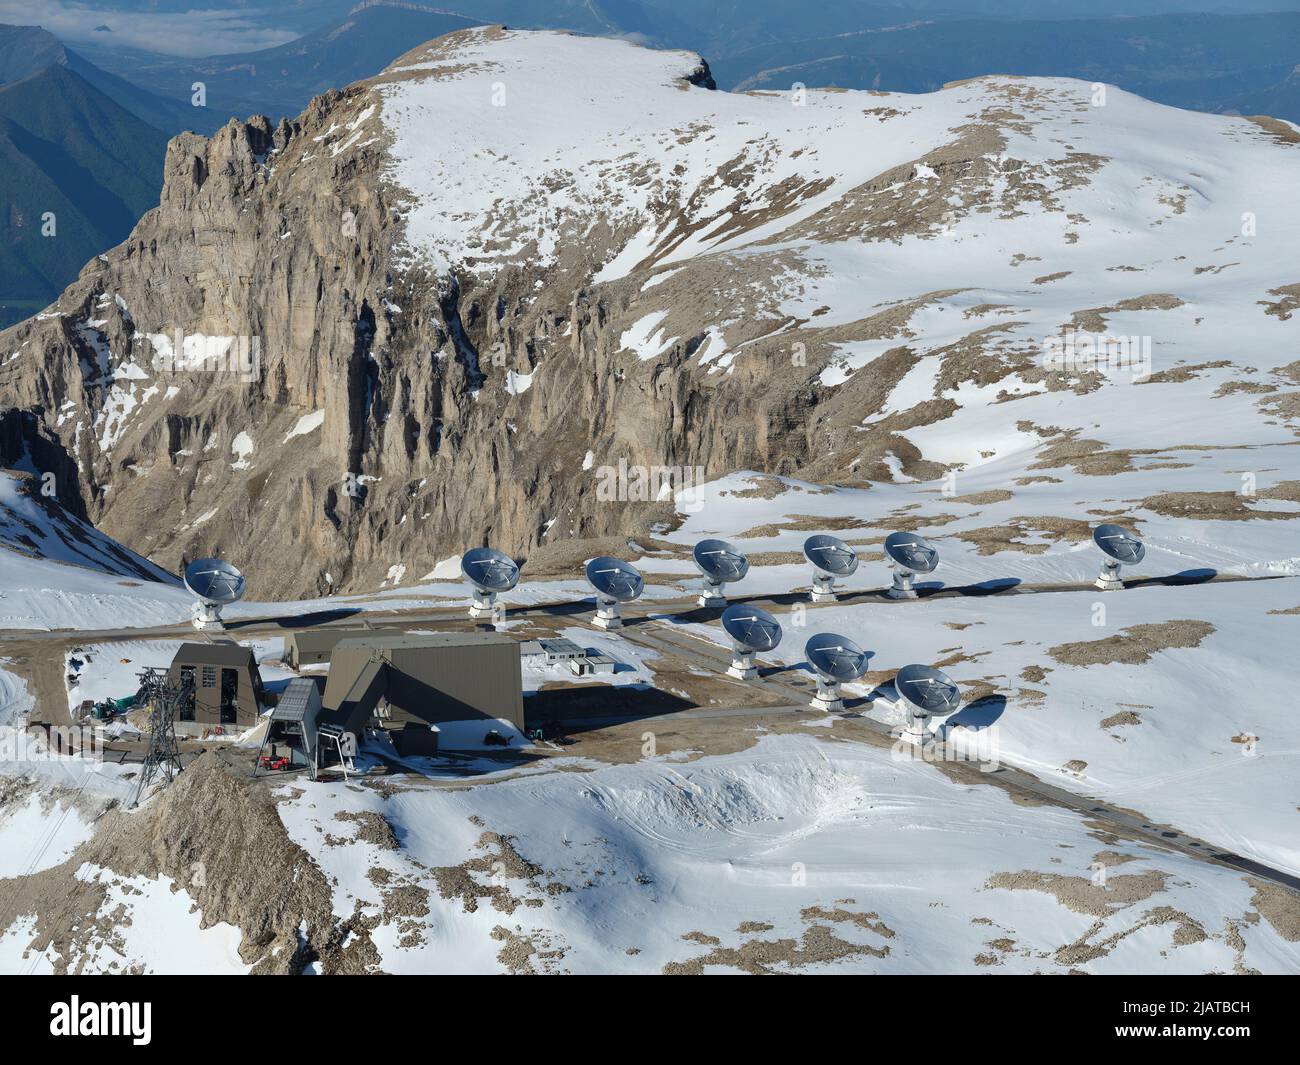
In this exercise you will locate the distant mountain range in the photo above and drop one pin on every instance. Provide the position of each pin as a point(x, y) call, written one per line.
point(1219, 63)
point(1224, 63)
point(79, 165)
point(86, 139)
point(281, 81)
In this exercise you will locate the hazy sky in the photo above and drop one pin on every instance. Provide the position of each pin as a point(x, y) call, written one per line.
point(204, 31)
point(210, 28)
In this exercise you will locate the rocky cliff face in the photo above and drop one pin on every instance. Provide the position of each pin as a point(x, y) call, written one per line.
point(436, 309)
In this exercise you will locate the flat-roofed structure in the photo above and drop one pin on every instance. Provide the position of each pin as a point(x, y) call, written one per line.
point(552, 649)
point(409, 682)
point(310, 647)
point(227, 683)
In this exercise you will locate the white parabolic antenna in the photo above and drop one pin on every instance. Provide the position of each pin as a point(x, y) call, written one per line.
point(831, 557)
point(751, 631)
point(925, 692)
point(835, 660)
point(488, 571)
point(1120, 548)
point(215, 583)
point(910, 554)
point(615, 582)
point(721, 563)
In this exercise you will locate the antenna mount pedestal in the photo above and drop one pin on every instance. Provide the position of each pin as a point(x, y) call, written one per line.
point(483, 605)
point(607, 614)
point(823, 589)
point(713, 593)
point(1109, 579)
point(904, 584)
point(915, 731)
point(742, 665)
point(828, 696)
point(207, 617)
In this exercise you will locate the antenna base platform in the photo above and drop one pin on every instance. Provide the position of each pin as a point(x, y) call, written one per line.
point(601, 621)
point(1109, 579)
point(207, 617)
point(904, 586)
point(483, 605)
point(828, 704)
point(742, 664)
point(916, 734)
point(713, 594)
point(823, 590)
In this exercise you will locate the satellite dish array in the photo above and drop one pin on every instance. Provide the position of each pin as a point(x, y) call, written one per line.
point(924, 692)
point(721, 563)
point(215, 583)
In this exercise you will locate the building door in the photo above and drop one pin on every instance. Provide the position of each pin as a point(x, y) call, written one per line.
point(229, 694)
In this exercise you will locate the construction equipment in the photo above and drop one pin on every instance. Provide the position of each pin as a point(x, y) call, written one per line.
point(274, 762)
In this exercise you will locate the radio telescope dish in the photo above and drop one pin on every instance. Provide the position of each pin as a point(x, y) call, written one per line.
point(831, 557)
point(721, 563)
point(615, 582)
point(1121, 548)
point(488, 571)
point(924, 692)
point(910, 555)
point(751, 631)
point(835, 660)
point(215, 583)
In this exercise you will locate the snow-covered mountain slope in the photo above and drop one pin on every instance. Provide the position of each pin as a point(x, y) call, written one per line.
point(57, 571)
point(513, 260)
point(797, 854)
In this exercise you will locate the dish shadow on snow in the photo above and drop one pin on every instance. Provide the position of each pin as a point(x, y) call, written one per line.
point(596, 706)
point(299, 621)
point(1174, 580)
point(981, 714)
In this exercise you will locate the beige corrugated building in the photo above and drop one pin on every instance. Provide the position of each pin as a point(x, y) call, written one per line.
point(411, 682)
point(307, 647)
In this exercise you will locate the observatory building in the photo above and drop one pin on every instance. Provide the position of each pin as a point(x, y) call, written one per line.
point(227, 683)
point(408, 683)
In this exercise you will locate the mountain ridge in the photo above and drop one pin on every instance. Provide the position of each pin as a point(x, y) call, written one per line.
point(651, 273)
